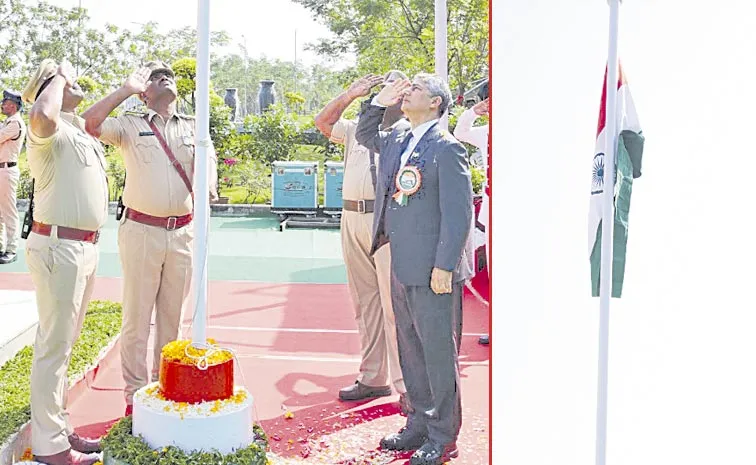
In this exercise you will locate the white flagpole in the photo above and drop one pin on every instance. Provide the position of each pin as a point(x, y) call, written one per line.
point(607, 221)
point(441, 55)
point(201, 181)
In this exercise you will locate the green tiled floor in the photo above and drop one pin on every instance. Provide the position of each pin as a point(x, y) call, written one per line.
point(245, 249)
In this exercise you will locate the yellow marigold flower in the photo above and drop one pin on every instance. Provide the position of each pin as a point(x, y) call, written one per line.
point(177, 351)
point(27, 455)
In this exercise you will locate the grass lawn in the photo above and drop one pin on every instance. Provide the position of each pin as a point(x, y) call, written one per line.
point(101, 324)
point(238, 194)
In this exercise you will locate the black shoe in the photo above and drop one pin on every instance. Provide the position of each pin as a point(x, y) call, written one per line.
point(405, 439)
point(434, 454)
point(359, 391)
point(484, 340)
point(8, 257)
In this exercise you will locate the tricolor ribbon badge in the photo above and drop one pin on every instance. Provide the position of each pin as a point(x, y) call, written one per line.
point(408, 181)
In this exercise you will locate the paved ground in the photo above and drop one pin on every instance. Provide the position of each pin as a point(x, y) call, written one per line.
point(246, 249)
point(279, 299)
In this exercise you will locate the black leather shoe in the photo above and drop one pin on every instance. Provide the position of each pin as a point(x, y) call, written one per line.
point(484, 340)
point(359, 391)
point(434, 454)
point(8, 257)
point(405, 439)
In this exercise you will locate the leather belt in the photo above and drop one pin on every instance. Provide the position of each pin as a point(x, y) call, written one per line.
point(9, 164)
point(170, 223)
point(72, 234)
point(359, 206)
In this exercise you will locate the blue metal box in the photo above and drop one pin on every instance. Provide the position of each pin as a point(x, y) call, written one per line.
point(295, 185)
point(333, 182)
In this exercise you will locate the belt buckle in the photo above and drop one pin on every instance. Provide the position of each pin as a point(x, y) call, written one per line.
point(171, 223)
point(360, 206)
point(96, 237)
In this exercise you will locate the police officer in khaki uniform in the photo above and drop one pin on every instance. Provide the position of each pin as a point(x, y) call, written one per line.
point(12, 135)
point(368, 276)
point(70, 207)
point(156, 230)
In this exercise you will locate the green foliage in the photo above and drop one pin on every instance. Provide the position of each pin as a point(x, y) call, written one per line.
point(101, 324)
point(24, 184)
point(400, 35)
point(185, 70)
point(127, 448)
point(274, 135)
point(254, 176)
point(316, 84)
point(116, 175)
point(478, 177)
point(88, 85)
point(294, 100)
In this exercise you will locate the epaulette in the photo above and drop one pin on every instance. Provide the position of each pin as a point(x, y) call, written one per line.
point(181, 115)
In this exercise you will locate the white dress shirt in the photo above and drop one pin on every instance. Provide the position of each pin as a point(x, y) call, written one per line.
point(417, 134)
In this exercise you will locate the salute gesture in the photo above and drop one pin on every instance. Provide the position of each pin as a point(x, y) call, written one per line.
point(137, 82)
point(481, 108)
point(362, 86)
point(66, 71)
point(393, 93)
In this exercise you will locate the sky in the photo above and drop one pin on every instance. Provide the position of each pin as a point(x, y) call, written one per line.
point(682, 347)
point(269, 26)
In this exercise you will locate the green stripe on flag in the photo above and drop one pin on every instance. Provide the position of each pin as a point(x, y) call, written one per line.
point(629, 157)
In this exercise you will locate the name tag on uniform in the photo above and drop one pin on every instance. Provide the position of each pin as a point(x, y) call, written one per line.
point(146, 133)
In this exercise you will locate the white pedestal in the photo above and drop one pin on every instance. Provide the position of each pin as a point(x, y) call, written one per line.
point(18, 311)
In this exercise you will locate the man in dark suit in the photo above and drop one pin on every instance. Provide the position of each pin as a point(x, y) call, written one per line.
point(424, 209)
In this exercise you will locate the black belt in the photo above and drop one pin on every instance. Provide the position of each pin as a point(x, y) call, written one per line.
point(359, 206)
point(10, 164)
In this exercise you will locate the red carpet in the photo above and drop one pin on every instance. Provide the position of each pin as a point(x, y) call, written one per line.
point(297, 346)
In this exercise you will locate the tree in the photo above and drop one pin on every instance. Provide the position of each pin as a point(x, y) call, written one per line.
point(273, 135)
point(399, 34)
point(316, 84)
point(185, 70)
point(295, 101)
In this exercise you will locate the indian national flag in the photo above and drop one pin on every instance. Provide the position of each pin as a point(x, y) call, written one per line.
point(627, 167)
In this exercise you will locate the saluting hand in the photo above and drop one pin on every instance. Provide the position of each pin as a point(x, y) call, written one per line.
point(441, 281)
point(361, 87)
point(66, 71)
point(481, 108)
point(392, 94)
point(137, 82)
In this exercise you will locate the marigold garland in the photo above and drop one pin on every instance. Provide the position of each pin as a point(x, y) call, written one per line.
point(177, 351)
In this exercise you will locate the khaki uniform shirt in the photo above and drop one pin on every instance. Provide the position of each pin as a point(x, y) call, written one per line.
point(358, 183)
point(12, 134)
point(153, 185)
point(70, 180)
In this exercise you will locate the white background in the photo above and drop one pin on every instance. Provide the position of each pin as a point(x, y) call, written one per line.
point(268, 25)
point(682, 354)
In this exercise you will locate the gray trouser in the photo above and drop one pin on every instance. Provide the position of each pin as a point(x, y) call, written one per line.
point(429, 331)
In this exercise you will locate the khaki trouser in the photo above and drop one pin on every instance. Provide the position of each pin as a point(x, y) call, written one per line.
point(157, 274)
point(63, 273)
point(8, 211)
point(369, 283)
